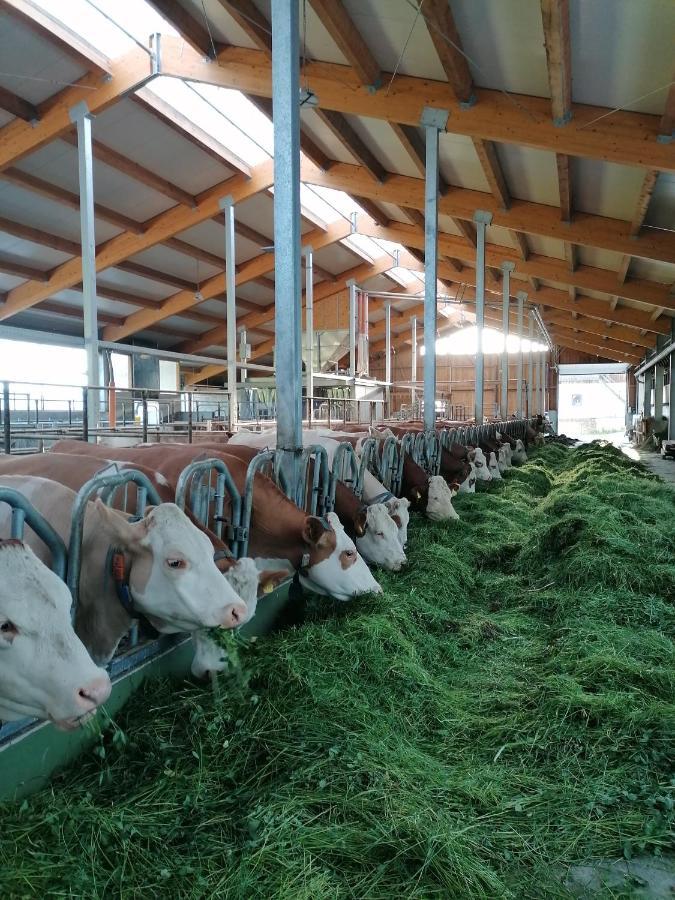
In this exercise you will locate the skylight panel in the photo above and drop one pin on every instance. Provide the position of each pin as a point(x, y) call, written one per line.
point(242, 113)
point(362, 245)
point(465, 343)
point(90, 24)
point(190, 104)
point(310, 200)
point(405, 276)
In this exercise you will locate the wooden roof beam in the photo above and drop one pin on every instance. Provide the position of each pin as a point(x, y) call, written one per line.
point(307, 144)
point(39, 237)
point(343, 132)
point(67, 198)
point(20, 270)
point(17, 106)
point(448, 44)
point(644, 199)
point(530, 218)
point(249, 18)
point(338, 23)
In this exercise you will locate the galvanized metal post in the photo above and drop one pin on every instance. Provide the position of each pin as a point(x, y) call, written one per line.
point(542, 381)
point(507, 268)
point(387, 354)
point(530, 336)
point(521, 296)
point(659, 381)
point(6, 418)
point(671, 398)
point(351, 284)
point(433, 121)
point(309, 329)
point(647, 403)
point(481, 220)
point(79, 115)
point(413, 360)
point(227, 206)
point(287, 275)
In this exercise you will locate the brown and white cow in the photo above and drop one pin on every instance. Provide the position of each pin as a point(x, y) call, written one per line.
point(320, 551)
point(161, 567)
point(45, 670)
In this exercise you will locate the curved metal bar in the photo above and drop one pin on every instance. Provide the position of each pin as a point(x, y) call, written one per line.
point(391, 470)
point(353, 479)
point(106, 484)
point(432, 452)
point(24, 513)
point(256, 465)
point(320, 499)
point(185, 486)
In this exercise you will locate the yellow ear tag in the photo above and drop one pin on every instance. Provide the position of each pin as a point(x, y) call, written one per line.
point(268, 587)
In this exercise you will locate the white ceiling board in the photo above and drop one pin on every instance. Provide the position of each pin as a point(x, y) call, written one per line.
point(9, 282)
point(222, 26)
point(337, 258)
point(257, 212)
point(394, 213)
point(256, 293)
point(21, 205)
point(143, 287)
point(20, 251)
point(5, 117)
point(459, 163)
point(605, 34)
point(386, 26)
point(57, 162)
point(167, 260)
point(504, 43)
point(188, 326)
point(607, 189)
point(324, 137)
point(140, 136)
point(74, 298)
point(446, 224)
point(150, 338)
point(318, 43)
point(38, 320)
point(384, 145)
point(601, 259)
point(546, 246)
point(45, 67)
point(496, 234)
point(208, 235)
point(661, 212)
point(652, 270)
point(530, 174)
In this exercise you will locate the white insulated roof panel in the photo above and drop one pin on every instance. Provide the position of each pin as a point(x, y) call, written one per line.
point(459, 163)
point(530, 174)
point(606, 189)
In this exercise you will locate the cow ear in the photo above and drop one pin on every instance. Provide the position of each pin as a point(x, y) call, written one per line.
point(128, 535)
point(313, 531)
point(361, 522)
point(270, 579)
point(396, 520)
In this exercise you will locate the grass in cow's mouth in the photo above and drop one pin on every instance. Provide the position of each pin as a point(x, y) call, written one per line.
point(504, 709)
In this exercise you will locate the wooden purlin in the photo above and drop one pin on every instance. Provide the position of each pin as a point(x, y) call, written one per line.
point(118, 249)
point(338, 23)
point(624, 137)
point(530, 218)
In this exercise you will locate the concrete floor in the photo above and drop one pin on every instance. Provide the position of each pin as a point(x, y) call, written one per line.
point(664, 468)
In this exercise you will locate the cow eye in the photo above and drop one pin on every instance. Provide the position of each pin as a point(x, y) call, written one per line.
point(379, 534)
point(176, 563)
point(8, 628)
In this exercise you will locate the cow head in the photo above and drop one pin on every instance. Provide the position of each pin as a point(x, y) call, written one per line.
point(504, 459)
point(439, 505)
point(493, 466)
point(45, 670)
point(379, 542)
point(173, 579)
point(468, 483)
point(519, 454)
point(477, 457)
point(249, 583)
point(335, 567)
point(399, 510)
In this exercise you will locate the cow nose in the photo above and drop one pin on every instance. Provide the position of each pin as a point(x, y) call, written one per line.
point(234, 615)
point(94, 693)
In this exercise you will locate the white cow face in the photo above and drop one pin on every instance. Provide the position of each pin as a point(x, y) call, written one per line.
point(468, 486)
point(173, 579)
point(399, 510)
point(335, 566)
point(45, 671)
point(504, 458)
point(493, 466)
point(477, 457)
point(379, 543)
point(519, 454)
point(439, 505)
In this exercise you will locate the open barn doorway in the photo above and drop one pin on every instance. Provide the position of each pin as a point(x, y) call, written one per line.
point(592, 401)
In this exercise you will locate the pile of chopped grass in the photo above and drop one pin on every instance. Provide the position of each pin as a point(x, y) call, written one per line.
point(487, 721)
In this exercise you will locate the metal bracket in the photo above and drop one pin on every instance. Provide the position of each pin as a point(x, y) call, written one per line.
point(522, 295)
point(156, 53)
point(353, 221)
point(559, 121)
point(375, 86)
point(482, 217)
point(508, 267)
point(467, 104)
point(434, 118)
point(226, 202)
point(308, 98)
point(665, 138)
point(78, 112)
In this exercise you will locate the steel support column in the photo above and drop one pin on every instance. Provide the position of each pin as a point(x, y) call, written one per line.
point(287, 274)
point(387, 354)
point(671, 398)
point(433, 121)
point(351, 284)
point(79, 114)
point(481, 219)
point(309, 328)
point(227, 206)
point(530, 337)
point(507, 268)
point(521, 296)
point(542, 381)
point(647, 403)
point(659, 373)
point(413, 359)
